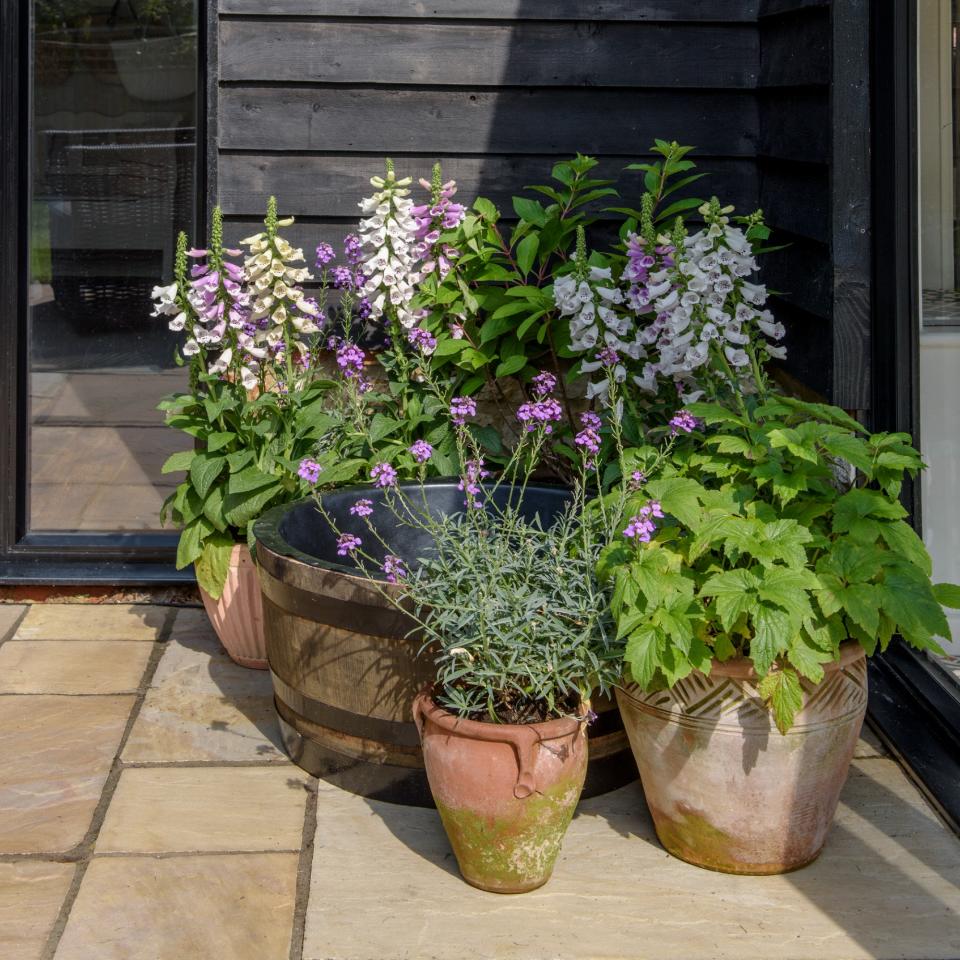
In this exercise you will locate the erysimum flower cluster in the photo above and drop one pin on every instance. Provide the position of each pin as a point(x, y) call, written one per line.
point(388, 234)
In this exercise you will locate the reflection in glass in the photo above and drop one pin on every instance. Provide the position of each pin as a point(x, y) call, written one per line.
point(113, 156)
point(938, 103)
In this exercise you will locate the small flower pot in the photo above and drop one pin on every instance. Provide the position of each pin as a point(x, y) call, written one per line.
point(506, 793)
point(237, 615)
point(725, 788)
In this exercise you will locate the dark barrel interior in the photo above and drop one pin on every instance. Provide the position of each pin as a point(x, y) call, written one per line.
point(344, 664)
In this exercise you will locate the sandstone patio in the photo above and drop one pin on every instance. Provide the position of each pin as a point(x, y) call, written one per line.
point(147, 811)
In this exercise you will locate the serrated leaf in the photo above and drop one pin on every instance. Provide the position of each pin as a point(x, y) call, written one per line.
point(783, 694)
point(901, 537)
point(907, 596)
point(679, 496)
point(219, 439)
point(947, 594)
point(642, 655)
point(771, 636)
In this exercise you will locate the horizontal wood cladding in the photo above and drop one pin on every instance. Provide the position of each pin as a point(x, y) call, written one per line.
point(331, 185)
point(533, 53)
point(535, 121)
point(795, 49)
point(600, 10)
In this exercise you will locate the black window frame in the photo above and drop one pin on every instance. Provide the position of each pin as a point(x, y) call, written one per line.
point(913, 705)
point(121, 558)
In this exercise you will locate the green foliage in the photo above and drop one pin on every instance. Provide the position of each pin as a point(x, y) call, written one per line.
point(772, 549)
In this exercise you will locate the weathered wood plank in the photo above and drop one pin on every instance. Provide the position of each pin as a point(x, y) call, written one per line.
point(795, 49)
point(774, 8)
point(517, 54)
point(796, 197)
point(635, 10)
point(801, 274)
point(851, 212)
point(795, 125)
point(331, 185)
point(508, 121)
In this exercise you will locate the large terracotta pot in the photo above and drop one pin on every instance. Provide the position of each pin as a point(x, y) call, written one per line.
point(237, 616)
point(725, 788)
point(505, 793)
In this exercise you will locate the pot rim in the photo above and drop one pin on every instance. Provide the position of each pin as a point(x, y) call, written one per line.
point(266, 528)
point(497, 732)
point(741, 668)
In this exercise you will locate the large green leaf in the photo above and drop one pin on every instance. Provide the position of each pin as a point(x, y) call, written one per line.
point(783, 694)
point(204, 471)
point(643, 655)
point(772, 633)
point(178, 461)
point(213, 564)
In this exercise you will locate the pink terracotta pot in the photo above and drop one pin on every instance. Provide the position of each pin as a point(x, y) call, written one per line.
point(726, 789)
point(505, 793)
point(237, 616)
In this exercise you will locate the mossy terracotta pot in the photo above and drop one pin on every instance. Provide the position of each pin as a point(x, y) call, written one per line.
point(237, 614)
point(505, 793)
point(726, 789)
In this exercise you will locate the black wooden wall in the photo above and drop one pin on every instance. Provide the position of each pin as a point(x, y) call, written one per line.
point(306, 97)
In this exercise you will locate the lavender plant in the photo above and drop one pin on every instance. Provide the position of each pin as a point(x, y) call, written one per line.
point(509, 605)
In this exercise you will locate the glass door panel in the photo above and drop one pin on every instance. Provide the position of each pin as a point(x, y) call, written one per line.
point(113, 150)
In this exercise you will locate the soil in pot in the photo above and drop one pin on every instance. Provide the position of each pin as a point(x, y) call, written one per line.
point(237, 614)
point(725, 788)
point(505, 792)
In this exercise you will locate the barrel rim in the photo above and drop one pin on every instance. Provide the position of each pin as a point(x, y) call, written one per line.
point(266, 528)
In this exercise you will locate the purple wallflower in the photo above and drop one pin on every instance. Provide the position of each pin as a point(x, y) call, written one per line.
point(364, 308)
point(342, 278)
point(470, 482)
point(383, 475)
point(421, 450)
point(683, 421)
point(324, 255)
point(461, 408)
point(589, 441)
point(637, 479)
point(350, 360)
point(642, 526)
point(542, 413)
point(590, 420)
point(422, 340)
point(309, 470)
point(347, 543)
point(543, 383)
point(362, 508)
point(394, 568)
point(352, 249)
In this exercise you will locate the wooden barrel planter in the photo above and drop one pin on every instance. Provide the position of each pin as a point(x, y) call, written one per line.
point(345, 672)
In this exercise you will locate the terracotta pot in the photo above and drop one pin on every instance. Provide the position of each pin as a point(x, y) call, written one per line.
point(237, 615)
point(726, 789)
point(505, 793)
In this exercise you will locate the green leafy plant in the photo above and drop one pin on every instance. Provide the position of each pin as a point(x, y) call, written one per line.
point(782, 537)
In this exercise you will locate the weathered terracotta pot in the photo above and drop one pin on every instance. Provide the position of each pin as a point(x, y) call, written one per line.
point(726, 789)
point(237, 616)
point(505, 793)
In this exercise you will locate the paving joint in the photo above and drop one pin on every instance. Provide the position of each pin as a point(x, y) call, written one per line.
point(304, 871)
point(84, 850)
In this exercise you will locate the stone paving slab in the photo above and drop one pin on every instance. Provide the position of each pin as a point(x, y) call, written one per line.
point(31, 894)
point(72, 666)
point(10, 613)
point(201, 706)
point(197, 809)
point(209, 907)
point(55, 754)
point(887, 886)
point(84, 621)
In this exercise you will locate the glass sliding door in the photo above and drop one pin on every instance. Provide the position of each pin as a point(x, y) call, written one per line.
point(112, 138)
point(939, 169)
